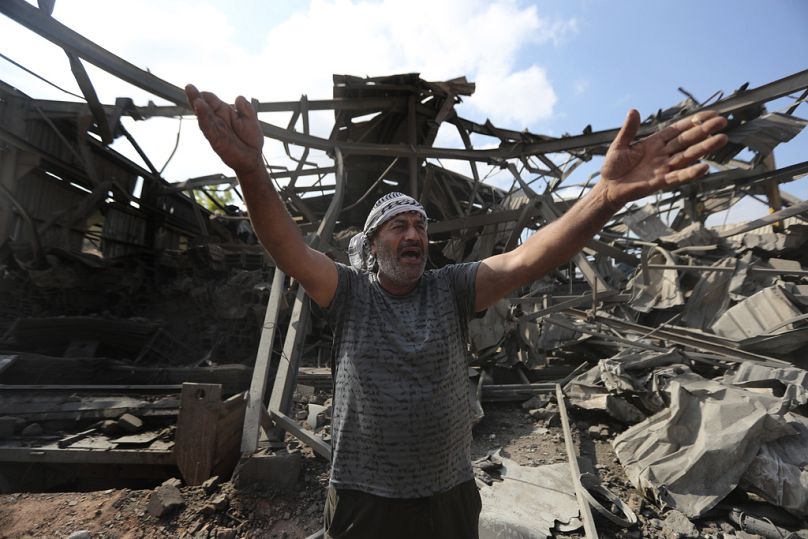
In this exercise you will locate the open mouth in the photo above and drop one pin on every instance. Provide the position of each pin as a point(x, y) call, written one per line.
point(412, 254)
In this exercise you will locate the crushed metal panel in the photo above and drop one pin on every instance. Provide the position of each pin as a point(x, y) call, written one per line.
point(490, 330)
point(779, 343)
point(710, 297)
point(528, 502)
point(746, 282)
point(762, 313)
point(765, 132)
point(753, 375)
point(692, 454)
point(695, 234)
point(646, 223)
point(778, 472)
point(585, 391)
point(656, 288)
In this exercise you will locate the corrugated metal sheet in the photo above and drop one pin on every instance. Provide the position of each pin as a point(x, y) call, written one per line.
point(767, 229)
point(44, 197)
point(761, 313)
point(122, 233)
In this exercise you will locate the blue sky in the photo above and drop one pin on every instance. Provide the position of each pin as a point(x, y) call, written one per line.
point(551, 67)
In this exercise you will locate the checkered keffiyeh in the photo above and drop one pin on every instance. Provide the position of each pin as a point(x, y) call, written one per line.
point(383, 210)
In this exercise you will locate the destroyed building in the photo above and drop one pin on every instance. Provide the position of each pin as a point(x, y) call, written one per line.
point(144, 335)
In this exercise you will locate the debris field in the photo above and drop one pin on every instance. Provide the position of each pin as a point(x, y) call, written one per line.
point(160, 377)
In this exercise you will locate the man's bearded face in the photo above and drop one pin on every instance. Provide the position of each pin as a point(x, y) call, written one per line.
point(400, 248)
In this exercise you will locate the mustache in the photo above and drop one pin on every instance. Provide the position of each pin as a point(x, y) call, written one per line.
point(410, 243)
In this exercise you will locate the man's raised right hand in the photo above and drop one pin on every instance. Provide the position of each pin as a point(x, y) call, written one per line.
point(232, 130)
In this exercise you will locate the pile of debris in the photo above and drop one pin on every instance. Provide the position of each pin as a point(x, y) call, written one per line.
point(705, 362)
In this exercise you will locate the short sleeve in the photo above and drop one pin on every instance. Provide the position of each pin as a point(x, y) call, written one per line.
point(462, 279)
point(335, 310)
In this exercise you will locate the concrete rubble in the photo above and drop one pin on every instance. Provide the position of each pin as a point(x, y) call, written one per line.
point(140, 328)
point(165, 499)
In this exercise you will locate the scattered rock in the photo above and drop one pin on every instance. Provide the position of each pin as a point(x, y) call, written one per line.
point(316, 416)
point(130, 423)
point(210, 484)
point(280, 470)
point(536, 401)
point(81, 534)
point(678, 526)
point(174, 482)
point(225, 533)
point(110, 427)
point(164, 499)
point(549, 413)
point(219, 502)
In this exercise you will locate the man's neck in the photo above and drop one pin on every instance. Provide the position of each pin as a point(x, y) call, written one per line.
point(394, 287)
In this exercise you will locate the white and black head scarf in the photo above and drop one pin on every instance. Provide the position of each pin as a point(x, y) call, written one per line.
point(383, 210)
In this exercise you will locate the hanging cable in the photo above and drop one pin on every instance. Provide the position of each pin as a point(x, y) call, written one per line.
point(176, 145)
point(40, 77)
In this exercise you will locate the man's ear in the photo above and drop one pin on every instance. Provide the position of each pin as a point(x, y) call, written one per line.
point(373, 246)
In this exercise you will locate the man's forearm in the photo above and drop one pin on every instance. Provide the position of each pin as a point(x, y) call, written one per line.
point(280, 235)
point(545, 250)
point(235, 136)
point(560, 240)
point(275, 228)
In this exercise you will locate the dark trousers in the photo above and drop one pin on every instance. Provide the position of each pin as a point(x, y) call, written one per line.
point(352, 514)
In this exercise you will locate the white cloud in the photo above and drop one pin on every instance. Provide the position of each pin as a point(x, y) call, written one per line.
point(515, 99)
point(184, 41)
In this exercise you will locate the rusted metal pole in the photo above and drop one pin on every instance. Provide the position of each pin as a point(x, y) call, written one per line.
point(586, 512)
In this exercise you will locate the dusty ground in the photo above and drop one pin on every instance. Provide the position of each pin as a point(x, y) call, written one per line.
point(297, 514)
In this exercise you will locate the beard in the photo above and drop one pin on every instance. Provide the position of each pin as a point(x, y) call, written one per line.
point(390, 266)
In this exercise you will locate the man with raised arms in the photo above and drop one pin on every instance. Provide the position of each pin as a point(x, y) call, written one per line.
point(401, 428)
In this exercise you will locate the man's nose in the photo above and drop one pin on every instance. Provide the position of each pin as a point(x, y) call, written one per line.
point(411, 233)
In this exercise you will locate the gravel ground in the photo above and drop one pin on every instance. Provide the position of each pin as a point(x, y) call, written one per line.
point(223, 512)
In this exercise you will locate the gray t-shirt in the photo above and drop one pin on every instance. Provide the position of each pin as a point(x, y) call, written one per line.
point(401, 424)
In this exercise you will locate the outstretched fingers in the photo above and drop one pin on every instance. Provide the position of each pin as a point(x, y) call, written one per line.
point(695, 133)
point(684, 175)
point(696, 120)
point(628, 131)
point(696, 151)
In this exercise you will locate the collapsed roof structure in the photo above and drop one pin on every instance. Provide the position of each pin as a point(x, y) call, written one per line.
point(122, 296)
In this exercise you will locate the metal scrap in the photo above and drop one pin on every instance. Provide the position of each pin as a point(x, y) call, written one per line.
point(115, 280)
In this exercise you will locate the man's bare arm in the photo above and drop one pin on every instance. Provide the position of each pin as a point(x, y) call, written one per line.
point(234, 134)
point(631, 170)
